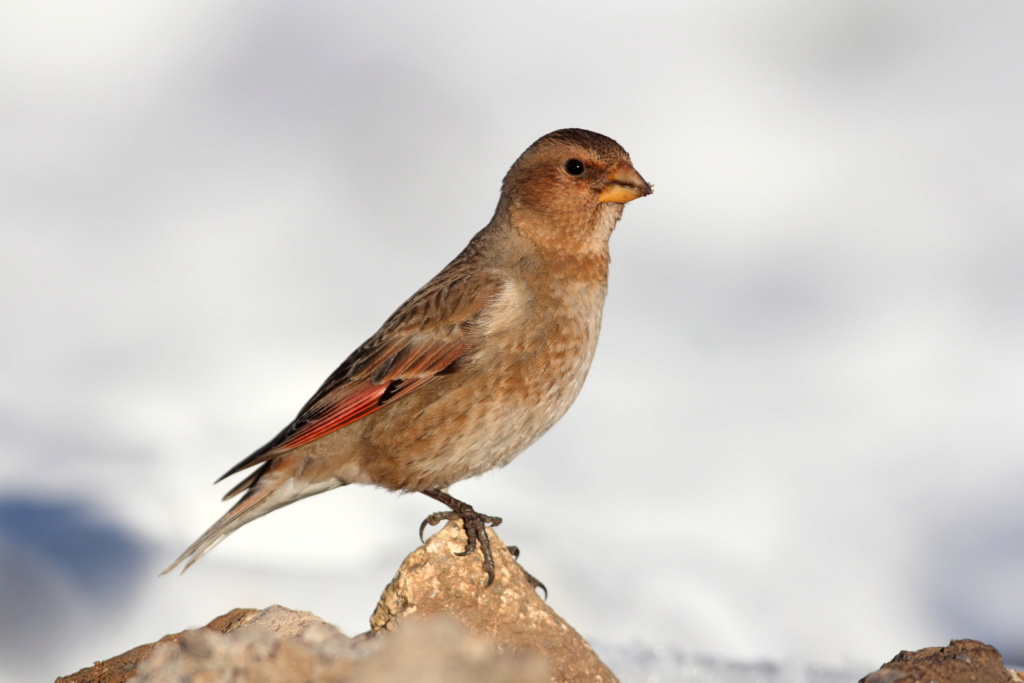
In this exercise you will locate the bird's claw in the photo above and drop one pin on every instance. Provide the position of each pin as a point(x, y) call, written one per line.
point(535, 583)
point(475, 525)
point(432, 519)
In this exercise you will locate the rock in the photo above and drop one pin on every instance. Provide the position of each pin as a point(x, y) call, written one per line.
point(285, 646)
point(123, 667)
point(238, 642)
point(436, 623)
point(962, 661)
point(434, 580)
point(440, 650)
point(275, 644)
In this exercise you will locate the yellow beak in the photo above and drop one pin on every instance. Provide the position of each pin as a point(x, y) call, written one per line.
point(623, 184)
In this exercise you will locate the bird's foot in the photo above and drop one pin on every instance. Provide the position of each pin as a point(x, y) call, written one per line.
point(474, 524)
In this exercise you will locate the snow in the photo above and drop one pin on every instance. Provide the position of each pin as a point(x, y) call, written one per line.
point(799, 450)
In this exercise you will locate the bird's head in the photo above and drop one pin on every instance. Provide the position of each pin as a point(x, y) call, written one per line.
point(568, 189)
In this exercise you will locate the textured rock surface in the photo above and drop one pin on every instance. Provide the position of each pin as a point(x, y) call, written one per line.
point(962, 661)
point(440, 650)
point(275, 644)
point(436, 622)
point(284, 646)
point(433, 581)
point(123, 666)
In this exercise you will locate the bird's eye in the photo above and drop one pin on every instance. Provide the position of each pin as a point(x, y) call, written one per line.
point(574, 167)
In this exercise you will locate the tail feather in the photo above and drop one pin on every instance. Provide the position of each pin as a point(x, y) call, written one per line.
point(264, 496)
point(246, 483)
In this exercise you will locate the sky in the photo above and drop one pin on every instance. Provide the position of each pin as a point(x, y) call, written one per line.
point(801, 437)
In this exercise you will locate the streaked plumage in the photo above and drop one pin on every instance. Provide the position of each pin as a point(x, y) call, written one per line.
point(477, 364)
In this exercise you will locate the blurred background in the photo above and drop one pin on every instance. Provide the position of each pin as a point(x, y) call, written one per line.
point(801, 438)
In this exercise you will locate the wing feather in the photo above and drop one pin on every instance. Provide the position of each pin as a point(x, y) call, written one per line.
point(404, 355)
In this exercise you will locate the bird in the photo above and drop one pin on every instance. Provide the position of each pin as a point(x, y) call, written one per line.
point(476, 365)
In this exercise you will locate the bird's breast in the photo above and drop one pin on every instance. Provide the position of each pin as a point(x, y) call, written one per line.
point(531, 353)
point(539, 341)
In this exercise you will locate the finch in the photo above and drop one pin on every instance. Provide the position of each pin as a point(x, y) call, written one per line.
point(476, 365)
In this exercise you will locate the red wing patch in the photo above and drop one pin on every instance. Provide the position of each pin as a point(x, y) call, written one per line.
point(354, 402)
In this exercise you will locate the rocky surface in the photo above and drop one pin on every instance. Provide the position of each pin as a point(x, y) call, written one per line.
point(962, 661)
point(275, 644)
point(123, 666)
point(436, 621)
point(434, 581)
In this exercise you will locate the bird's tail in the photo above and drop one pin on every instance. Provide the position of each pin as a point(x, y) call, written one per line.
point(266, 493)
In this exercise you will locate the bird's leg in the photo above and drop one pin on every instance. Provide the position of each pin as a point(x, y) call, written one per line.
point(473, 522)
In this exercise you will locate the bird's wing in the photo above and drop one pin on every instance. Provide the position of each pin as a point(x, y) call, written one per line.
point(421, 341)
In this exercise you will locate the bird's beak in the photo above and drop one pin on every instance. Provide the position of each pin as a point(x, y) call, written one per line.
point(623, 184)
